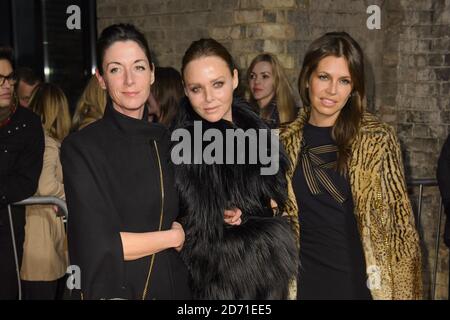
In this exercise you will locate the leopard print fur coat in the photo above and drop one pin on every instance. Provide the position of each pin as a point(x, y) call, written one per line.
point(382, 207)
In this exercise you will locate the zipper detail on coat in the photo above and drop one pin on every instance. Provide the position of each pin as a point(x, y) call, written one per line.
point(144, 294)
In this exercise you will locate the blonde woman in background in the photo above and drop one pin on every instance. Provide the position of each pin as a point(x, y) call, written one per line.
point(270, 92)
point(90, 106)
point(45, 252)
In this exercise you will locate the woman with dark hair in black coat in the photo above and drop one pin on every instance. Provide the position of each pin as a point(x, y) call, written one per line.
point(257, 259)
point(119, 185)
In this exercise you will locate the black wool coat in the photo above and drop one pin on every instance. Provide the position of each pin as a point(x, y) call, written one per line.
point(21, 156)
point(112, 182)
point(255, 260)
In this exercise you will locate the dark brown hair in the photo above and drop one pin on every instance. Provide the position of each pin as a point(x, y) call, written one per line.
point(206, 48)
point(120, 32)
point(338, 44)
point(28, 76)
point(7, 53)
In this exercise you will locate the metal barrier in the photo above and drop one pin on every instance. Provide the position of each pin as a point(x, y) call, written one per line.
point(31, 201)
point(45, 200)
point(421, 183)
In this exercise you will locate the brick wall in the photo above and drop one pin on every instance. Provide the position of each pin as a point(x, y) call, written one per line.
point(421, 103)
point(408, 63)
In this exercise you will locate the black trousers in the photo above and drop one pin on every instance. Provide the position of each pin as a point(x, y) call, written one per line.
point(44, 290)
point(9, 288)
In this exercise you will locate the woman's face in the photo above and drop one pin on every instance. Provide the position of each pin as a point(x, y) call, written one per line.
point(262, 84)
point(330, 86)
point(127, 77)
point(209, 85)
point(7, 88)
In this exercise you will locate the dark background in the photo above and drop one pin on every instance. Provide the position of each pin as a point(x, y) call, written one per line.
point(37, 31)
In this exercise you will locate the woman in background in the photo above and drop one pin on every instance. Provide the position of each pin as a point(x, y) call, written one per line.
point(270, 92)
point(90, 106)
point(45, 250)
point(166, 94)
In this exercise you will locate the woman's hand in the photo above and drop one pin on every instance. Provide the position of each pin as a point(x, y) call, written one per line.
point(276, 210)
point(274, 206)
point(178, 231)
point(233, 216)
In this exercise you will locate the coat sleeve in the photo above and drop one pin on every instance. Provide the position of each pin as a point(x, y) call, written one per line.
point(404, 246)
point(290, 143)
point(49, 184)
point(443, 174)
point(94, 240)
point(22, 182)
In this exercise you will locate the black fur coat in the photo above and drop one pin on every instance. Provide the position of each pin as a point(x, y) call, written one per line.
point(255, 260)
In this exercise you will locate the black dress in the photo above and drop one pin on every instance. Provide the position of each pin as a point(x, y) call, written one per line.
point(112, 182)
point(332, 262)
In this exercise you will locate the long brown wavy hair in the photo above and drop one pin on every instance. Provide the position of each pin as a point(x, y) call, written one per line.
point(338, 44)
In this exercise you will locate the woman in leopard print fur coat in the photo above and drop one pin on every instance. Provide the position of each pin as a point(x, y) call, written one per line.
point(347, 195)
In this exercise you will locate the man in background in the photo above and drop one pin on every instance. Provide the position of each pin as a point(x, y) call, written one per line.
point(27, 81)
point(21, 158)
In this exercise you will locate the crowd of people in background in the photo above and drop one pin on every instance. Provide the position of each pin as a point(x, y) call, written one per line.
point(335, 217)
